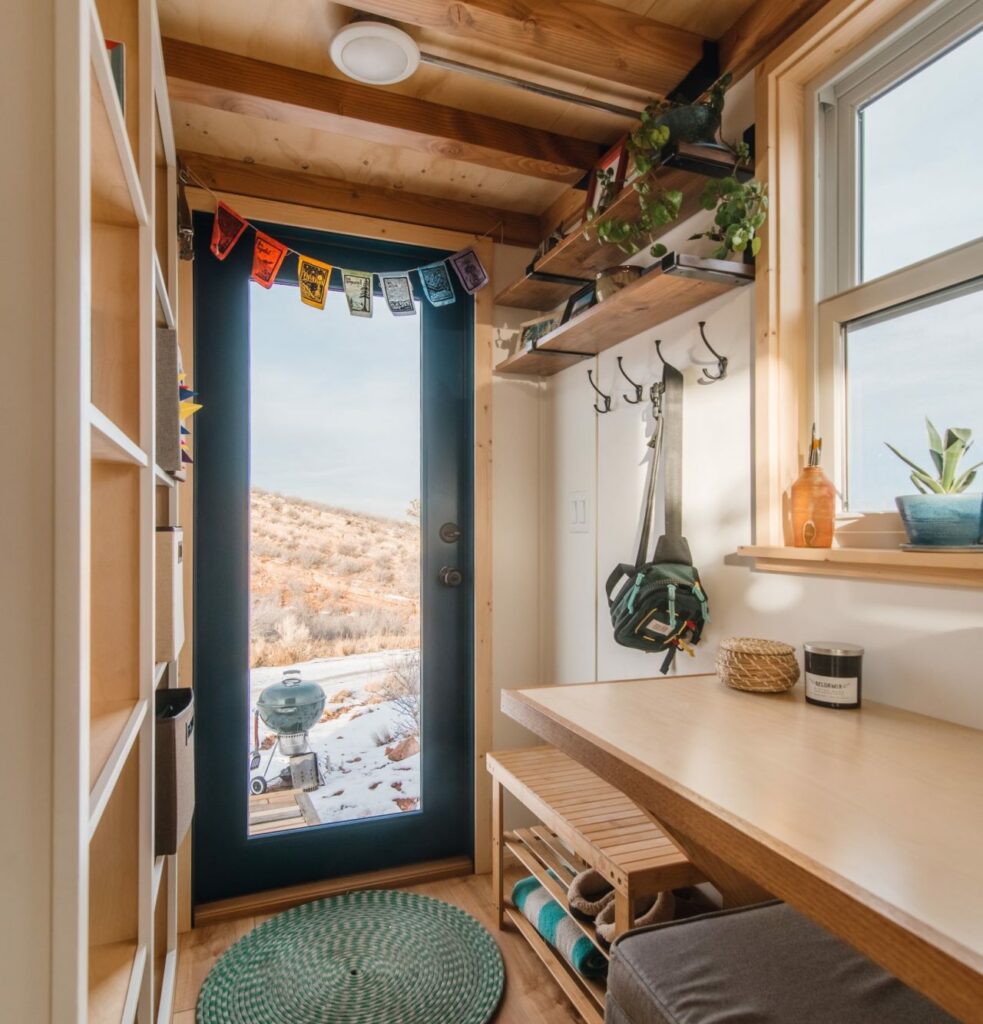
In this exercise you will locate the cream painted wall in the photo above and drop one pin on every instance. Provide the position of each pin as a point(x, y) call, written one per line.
point(27, 414)
point(924, 644)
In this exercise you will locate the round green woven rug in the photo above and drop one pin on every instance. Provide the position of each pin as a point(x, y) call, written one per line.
point(375, 957)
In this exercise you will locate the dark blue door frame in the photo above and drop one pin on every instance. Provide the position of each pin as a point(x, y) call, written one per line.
point(226, 863)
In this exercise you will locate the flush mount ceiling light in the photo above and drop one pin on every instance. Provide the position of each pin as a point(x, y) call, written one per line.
point(375, 53)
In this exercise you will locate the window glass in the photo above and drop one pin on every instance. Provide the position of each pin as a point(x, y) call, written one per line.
point(922, 359)
point(921, 157)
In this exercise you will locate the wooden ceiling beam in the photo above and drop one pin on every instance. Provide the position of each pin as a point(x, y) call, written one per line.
point(305, 189)
point(226, 81)
point(760, 30)
point(578, 35)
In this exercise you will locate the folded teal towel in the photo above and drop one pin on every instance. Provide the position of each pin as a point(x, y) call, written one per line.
point(555, 926)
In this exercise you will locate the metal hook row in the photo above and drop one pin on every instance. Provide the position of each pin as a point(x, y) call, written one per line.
point(657, 388)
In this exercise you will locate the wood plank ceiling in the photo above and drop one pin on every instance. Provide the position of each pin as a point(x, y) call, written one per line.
point(254, 92)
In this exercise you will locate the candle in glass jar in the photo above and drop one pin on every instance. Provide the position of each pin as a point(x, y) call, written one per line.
point(833, 675)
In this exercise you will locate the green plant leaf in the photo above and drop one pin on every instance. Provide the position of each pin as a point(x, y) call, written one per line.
point(920, 487)
point(907, 461)
point(965, 479)
point(928, 481)
point(950, 462)
point(755, 245)
point(934, 439)
point(658, 250)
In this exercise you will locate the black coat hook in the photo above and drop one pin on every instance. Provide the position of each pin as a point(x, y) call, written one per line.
point(708, 377)
point(637, 387)
point(606, 399)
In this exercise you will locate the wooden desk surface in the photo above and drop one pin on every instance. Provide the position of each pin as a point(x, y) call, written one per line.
point(869, 821)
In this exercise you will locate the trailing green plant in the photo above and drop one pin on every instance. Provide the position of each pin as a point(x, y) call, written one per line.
point(663, 123)
point(947, 452)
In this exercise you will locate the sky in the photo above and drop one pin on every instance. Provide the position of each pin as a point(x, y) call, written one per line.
point(335, 402)
point(921, 195)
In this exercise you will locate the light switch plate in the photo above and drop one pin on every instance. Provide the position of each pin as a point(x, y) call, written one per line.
point(578, 512)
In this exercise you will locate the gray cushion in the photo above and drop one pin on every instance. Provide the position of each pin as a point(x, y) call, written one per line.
point(765, 964)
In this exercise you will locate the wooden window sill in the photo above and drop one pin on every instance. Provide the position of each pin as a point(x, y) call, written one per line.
point(948, 568)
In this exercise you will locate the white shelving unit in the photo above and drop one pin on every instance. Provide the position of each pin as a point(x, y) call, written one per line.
point(115, 906)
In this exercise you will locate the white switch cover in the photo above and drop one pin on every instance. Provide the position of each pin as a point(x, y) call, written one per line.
point(577, 512)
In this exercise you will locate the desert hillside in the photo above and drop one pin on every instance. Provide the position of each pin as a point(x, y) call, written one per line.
point(328, 582)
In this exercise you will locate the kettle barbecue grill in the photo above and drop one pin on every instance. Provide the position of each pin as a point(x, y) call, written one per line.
point(290, 708)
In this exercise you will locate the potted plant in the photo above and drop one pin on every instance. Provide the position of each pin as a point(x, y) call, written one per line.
point(945, 513)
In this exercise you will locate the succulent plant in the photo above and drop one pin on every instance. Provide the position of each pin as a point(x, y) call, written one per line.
point(947, 452)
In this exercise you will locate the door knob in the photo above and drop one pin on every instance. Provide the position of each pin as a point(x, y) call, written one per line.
point(450, 532)
point(450, 576)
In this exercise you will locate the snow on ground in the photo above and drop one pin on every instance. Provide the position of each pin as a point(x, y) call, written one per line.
point(358, 780)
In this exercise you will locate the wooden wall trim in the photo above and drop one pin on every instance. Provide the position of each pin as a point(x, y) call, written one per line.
point(784, 269)
point(313, 190)
point(226, 81)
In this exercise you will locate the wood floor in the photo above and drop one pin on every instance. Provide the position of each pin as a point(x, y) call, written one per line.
point(531, 996)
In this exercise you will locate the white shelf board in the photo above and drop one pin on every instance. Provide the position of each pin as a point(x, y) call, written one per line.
point(102, 788)
point(160, 670)
point(167, 987)
point(158, 875)
point(110, 444)
point(163, 299)
point(164, 479)
point(136, 984)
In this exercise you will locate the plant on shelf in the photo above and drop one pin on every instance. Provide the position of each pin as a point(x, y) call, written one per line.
point(742, 207)
point(943, 513)
point(662, 124)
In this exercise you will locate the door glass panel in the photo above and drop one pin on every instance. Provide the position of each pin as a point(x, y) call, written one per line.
point(920, 163)
point(334, 724)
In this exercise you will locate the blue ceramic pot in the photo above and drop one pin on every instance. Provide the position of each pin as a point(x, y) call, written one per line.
point(942, 520)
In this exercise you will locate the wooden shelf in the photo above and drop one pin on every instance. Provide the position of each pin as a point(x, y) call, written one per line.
point(163, 478)
point(953, 568)
point(675, 285)
point(114, 726)
point(114, 981)
point(117, 197)
point(110, 444)
point(576, 259)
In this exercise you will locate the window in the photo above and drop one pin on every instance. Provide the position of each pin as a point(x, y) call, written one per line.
point(900, 238)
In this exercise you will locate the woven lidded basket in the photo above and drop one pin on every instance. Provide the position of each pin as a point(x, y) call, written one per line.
point(760, 666)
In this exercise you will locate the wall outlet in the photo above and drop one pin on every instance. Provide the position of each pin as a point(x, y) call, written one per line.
point(578, 519)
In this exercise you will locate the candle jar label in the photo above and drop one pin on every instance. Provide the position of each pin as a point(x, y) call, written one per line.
point(831, 689)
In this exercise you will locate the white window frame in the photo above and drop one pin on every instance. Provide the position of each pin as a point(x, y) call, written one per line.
point(833, 105)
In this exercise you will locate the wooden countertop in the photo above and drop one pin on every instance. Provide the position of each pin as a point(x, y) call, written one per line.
point(869, 821)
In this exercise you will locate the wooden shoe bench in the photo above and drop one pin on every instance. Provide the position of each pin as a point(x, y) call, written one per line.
point(585, 823)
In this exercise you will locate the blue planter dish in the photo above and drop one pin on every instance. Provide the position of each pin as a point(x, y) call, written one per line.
point(942, 520)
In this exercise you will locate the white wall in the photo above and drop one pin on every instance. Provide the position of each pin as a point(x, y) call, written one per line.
point(27, 507)
point(924, 644)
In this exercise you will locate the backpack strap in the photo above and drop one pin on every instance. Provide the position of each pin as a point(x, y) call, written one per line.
point(672, 546)
point(655, 443)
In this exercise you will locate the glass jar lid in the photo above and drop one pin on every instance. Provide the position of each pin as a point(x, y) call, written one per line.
point(833, 647)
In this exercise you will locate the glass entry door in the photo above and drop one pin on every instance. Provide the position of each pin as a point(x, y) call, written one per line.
point(332, 563)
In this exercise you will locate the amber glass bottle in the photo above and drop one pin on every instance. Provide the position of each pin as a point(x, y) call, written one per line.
point(813, 503)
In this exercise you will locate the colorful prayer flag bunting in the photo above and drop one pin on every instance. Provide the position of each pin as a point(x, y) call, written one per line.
point(399, 294)
point(268, 256)
point(313, 277)
point(227, 228)
point(437, 284)
point(358, 292)
point(469, 270)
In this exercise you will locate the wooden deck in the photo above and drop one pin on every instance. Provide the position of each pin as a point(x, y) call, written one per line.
point(280, 811)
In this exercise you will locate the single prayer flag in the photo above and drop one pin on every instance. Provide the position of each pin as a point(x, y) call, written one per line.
point(268, 256)
point(468, 268)
point(313, 277)
point(437, 284)
point(358, 292)
point(187, 409)
point(227, 228)
point(399, 294)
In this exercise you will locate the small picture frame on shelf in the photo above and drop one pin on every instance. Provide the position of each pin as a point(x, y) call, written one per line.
point(608, 176)
point(581, 300)
point(533, 330)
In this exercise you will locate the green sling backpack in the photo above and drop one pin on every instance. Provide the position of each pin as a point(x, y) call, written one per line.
point(661, 606)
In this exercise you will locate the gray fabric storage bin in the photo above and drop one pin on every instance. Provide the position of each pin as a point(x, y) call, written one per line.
point(175, 768)
point(767, 964)
point(168, 434)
